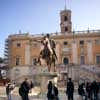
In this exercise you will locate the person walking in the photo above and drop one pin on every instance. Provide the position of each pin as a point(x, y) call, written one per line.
point(89, 90)
point(81, 91)
point(24, 89)
point(31, 87)
point(70, 89)
point(9, 88)
point(95, 90)
point(51, 92)
point(56, 93)
point(8, 91)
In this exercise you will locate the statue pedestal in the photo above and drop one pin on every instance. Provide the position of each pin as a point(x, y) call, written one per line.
point(44, 78)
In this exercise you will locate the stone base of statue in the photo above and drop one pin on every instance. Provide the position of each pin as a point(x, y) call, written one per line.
point(44, 78)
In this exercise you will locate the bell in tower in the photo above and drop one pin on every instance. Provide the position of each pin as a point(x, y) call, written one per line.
point(66, 24)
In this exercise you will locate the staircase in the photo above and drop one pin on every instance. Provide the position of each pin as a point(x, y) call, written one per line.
point(89, 73)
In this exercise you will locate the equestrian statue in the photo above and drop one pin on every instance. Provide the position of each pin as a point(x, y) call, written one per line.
point(47, 52)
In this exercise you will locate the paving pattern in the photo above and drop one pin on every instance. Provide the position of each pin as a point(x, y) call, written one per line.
point(15, 96)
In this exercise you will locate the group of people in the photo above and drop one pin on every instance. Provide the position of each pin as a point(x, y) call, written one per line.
point(24, 88)
point(52, 93)
point(89, 91)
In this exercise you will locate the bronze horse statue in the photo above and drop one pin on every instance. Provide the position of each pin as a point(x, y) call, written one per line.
point(48, 55)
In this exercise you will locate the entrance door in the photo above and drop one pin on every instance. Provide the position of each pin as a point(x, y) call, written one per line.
point(66, 61)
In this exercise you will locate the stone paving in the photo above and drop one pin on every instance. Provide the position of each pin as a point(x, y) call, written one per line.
point(15, 96)
point(41, 97)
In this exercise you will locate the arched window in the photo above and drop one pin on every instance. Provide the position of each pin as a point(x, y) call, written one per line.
point(17, 60)
point(34, 61)
point(82, 60)
point(98, 59)
point(18, 44)
point(65, 43)
point(65, 18)
point(81, 42)
point(66, 29)
point(66, 61)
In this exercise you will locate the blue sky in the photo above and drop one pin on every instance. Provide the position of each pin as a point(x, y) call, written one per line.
point(42, 16)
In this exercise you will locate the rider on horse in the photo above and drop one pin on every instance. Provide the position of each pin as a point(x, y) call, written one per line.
point(48, 50)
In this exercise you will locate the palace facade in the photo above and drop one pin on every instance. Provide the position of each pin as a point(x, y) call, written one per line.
point(76, 48)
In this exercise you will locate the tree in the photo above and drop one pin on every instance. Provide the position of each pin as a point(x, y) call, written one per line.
point(1, 60)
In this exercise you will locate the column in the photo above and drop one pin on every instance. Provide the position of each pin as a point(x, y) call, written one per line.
point(89, 52)
point(74, 53)
point(27, 54)
point(58, 51)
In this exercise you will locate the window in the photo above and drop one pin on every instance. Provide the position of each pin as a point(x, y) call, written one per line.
point(34, 61)
point(65, 42)
point(66, 29)
point(18, 45)
point(17, 61)
point(82, 60)
point(81, 42)
point(98, 59)
point(97, 42)
point(65, 18)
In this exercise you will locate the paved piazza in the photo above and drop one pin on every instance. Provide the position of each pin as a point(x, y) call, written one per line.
point(15, 96)
point(41, 97)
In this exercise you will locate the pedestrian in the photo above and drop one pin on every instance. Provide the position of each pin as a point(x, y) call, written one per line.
point(70, 89)
point(95, 90)
point(9, 88)
point(24, 89)
point(31, 85)
point(56, 93)
point(81, 91)
point(88, 90)
point(50, 93)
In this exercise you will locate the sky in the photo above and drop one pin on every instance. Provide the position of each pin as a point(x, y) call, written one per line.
point(42, 16)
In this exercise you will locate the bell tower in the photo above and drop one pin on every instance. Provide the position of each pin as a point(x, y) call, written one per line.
point(65, 21)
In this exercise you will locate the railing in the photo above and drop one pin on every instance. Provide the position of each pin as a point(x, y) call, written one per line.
point(55, 33)
point(91, 68)
point(87, 31)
